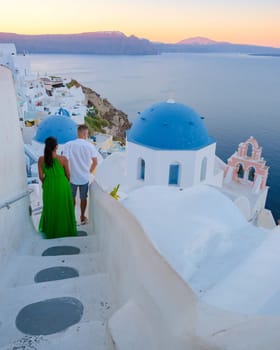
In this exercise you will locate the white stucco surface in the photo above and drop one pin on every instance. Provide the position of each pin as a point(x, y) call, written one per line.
point(228, 262)
point(12, 182)
point(157, 164)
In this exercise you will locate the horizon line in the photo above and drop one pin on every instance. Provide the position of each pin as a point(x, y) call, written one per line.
point(139, 37)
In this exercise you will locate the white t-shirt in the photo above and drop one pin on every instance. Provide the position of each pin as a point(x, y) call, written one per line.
point(79, 152)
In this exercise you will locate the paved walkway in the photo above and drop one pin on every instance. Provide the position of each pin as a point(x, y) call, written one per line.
point(51, 301)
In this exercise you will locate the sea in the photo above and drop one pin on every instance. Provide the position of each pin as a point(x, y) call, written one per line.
point(237, 94)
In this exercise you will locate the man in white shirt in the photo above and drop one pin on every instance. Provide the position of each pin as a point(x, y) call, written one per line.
point(82, 156)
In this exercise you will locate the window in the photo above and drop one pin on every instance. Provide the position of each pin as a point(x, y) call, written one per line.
point(249, 150)
point(240, 171)
point(141, 169)
point(203, 169)
point(174, 174)
point(251, 174)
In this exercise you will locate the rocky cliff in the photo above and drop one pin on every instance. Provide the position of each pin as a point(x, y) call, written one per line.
point(117, 121)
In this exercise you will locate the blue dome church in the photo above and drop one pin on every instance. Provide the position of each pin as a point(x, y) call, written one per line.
point(63, 128)
point(169, 144)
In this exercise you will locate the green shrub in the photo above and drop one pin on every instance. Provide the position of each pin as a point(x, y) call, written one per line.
point(96, 124)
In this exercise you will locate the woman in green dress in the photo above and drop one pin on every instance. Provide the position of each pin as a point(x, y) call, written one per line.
point(58, 216)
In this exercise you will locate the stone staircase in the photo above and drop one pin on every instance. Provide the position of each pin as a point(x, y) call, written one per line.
point(24, 325)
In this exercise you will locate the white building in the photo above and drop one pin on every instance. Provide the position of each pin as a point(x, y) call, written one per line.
point(172, 186)
point(169, 145)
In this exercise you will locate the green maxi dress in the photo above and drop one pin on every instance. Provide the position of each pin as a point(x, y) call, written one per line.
point(58, 215)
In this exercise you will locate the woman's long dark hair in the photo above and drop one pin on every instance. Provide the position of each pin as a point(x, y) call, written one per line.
point(50, 145)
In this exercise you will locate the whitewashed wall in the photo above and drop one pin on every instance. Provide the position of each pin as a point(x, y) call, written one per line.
point(156, 309)
point(15, 222)
point(140, 277)
point(157, 164)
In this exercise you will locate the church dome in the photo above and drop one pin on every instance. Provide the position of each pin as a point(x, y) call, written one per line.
point(169, 126)
point(62, 128)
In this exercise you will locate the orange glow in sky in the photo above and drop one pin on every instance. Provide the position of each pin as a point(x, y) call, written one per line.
point(239, 21)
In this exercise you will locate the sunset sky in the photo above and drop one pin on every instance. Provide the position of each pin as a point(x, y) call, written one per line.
point(238, 21)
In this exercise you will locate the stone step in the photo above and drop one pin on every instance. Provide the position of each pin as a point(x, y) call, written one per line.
point(23, 269)
point(92, 291)
point(86, 244)
point(84, 335)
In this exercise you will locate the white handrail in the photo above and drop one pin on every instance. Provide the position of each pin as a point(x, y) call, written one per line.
point(8, 203)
